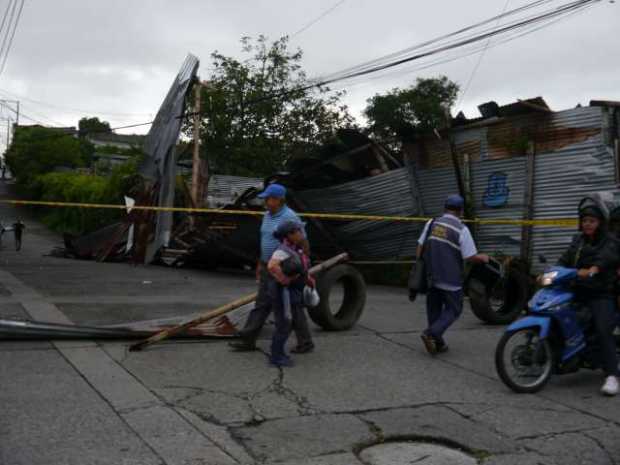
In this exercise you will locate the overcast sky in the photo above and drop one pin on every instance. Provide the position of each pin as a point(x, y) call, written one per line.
point(117, 58)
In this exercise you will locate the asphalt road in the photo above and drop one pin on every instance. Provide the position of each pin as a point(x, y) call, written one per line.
point(196, 402)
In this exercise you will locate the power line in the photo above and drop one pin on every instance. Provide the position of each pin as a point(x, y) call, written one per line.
point(381, 64)
point(473, 51)
point(8, 49)
point(534, 23)
point(70, 109)
point(6, 13)
point(480, 58)
point(317, 19)
point(438, 40)
point(9, 26)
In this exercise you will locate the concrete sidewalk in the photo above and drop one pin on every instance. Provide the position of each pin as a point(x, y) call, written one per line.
point(198, 403)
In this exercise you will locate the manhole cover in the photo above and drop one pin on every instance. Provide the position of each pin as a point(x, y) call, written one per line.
point(408, 453)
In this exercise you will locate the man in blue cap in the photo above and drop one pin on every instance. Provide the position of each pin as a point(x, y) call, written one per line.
point(445, 242)
point(277, 213)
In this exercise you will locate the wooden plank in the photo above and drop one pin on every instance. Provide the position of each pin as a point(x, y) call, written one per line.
point(528, 201)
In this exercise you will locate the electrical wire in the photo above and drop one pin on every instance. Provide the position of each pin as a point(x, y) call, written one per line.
point(380, 65)
point(69, 109)
point(6, 33)
point(8, 49)
point(534, 23)
point(459, 43)
point(317, 19)
point(444, 37)
point(494, 43)
point(479, 62)
point(6, 14)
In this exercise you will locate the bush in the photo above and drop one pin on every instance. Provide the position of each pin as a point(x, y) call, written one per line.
point(83, 188)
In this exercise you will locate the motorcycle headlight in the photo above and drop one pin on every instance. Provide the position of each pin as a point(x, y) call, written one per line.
point(547, 278)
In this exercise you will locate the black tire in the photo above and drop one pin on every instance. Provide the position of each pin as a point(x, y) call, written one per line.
point(354, 300)
point(502, 305)
point(500, 362)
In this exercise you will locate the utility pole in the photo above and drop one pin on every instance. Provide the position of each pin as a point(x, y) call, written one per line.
point(12, 105)
point(200, 170)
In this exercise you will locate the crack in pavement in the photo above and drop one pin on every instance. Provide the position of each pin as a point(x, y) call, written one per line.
point(598, 442)
point(540, 396)
point(555, 434)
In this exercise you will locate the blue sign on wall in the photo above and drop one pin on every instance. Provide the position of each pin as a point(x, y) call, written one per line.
point(497, 192)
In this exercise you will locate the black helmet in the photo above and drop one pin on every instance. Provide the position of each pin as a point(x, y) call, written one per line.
point(592, 210)
point(285, 228)
point(596, 205)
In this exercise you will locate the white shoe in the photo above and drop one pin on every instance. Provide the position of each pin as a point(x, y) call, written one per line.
point(610, 388)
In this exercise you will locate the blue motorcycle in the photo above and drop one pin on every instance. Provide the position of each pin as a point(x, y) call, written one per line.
point(556, 337)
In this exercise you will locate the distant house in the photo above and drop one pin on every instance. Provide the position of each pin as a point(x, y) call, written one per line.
point(119, 141)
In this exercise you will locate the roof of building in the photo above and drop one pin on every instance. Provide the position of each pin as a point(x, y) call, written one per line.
point(112, 138)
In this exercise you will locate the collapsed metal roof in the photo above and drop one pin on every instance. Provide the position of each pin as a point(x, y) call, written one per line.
point(159, 165)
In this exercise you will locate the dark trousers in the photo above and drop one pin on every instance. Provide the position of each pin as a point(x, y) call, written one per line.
point(262, 308)
point(442, 309)
point(604, 320)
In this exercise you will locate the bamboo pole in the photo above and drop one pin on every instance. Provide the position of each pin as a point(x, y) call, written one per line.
point(219, 311)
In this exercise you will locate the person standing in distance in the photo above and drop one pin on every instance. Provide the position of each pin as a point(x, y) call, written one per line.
point(447, 244)
point(277, 213)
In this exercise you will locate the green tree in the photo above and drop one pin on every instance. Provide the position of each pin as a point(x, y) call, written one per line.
point(397, 116)
point(36, 150)
point(86, 125)
point(256, 116)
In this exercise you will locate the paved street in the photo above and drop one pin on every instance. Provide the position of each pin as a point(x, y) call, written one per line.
point(196, 402)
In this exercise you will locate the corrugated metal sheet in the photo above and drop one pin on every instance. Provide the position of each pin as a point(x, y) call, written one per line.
point(386, 194)
point(159, 164)
point(571, 161)
point(562, 181)
point(499, 238)
point(224, 190)
point(576, 162)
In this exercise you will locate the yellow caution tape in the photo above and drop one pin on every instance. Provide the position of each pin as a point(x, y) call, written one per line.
point(561, 222)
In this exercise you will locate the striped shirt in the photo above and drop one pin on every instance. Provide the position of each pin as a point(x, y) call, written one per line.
point(268, 243)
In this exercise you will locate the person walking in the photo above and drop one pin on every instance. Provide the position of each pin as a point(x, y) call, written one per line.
point(277, 213)
point(445, 244)
point(288, 276)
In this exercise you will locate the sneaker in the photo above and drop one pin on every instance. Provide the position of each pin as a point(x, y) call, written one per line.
point(242, 346)
point(610, 388)
point(303, 348)
point(429, 343)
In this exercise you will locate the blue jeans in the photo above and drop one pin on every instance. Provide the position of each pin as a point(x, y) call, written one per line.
point(442, 309)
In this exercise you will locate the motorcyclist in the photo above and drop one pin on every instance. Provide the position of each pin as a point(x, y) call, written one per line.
point(596, 256)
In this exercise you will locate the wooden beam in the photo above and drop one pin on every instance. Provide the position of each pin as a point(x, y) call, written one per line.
point(211, 314)
point(198, 165)
point(528, 201)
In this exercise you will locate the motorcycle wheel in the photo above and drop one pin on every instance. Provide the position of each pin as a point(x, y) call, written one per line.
point(523, 361)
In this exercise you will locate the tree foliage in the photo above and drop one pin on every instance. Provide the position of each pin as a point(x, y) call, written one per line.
point(400, 114)
point(87, 125)
point(255, 116)
point(37, 150)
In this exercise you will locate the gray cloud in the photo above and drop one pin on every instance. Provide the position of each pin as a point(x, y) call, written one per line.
point(120, 56)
